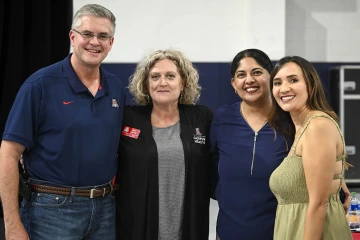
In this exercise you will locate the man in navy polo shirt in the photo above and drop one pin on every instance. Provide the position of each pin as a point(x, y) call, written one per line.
point(66, 122)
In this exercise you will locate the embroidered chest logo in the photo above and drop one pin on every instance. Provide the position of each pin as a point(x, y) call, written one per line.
point(114, 103)
point(66, 103)
point(198, 137)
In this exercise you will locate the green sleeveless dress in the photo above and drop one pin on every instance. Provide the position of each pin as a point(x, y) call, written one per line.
point(288, 184)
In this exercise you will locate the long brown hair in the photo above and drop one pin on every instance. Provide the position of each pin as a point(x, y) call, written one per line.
point(278, 118)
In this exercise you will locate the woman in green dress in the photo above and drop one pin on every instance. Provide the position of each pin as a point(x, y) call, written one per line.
point(306, 184)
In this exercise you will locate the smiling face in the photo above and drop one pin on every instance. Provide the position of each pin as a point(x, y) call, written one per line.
point(165, 83)
point(290, 89)
point(251, 81)
point(91, 53)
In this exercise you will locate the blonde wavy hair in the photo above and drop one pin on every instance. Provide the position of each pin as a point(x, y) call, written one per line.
point(139, 84)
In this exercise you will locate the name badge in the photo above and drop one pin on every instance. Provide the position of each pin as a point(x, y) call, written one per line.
point(130, 132)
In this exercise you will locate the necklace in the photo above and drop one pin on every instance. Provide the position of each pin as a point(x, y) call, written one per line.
point(302, 124)
point(297, 137)
point(243, 114)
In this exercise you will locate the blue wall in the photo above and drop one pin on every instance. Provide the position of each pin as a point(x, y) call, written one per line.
point(215, 80)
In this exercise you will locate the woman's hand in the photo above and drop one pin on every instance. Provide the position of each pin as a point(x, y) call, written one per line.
point(346, 204)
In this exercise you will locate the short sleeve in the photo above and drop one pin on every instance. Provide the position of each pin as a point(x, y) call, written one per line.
point(22, 123)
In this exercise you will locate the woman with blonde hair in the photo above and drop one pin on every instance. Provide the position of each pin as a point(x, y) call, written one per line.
point(164, 158)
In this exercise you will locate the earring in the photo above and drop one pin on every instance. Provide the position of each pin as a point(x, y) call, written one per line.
point(236, 92)
point(147, 98)
point(181, 97)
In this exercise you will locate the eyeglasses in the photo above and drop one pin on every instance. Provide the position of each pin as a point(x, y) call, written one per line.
point(101, 37)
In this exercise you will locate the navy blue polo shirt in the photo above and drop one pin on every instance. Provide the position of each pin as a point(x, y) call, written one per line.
point(71, 137)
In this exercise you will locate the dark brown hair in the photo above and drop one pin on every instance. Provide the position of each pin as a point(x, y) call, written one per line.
point(260, 57)
point(278, 118)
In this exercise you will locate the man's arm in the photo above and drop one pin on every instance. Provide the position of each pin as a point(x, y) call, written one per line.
point(10, 153)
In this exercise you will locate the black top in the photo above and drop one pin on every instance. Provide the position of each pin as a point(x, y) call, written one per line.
point(138, 197)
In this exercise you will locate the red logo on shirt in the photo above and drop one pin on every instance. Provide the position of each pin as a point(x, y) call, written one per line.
point(66, 103)
point(130, 132)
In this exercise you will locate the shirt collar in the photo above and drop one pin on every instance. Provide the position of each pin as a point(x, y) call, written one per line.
point(75, 82)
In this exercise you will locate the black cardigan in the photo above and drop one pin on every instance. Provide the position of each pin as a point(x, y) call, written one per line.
point(138, 198)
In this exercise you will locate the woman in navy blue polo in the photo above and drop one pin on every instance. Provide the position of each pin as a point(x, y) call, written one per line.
point(247, 152)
